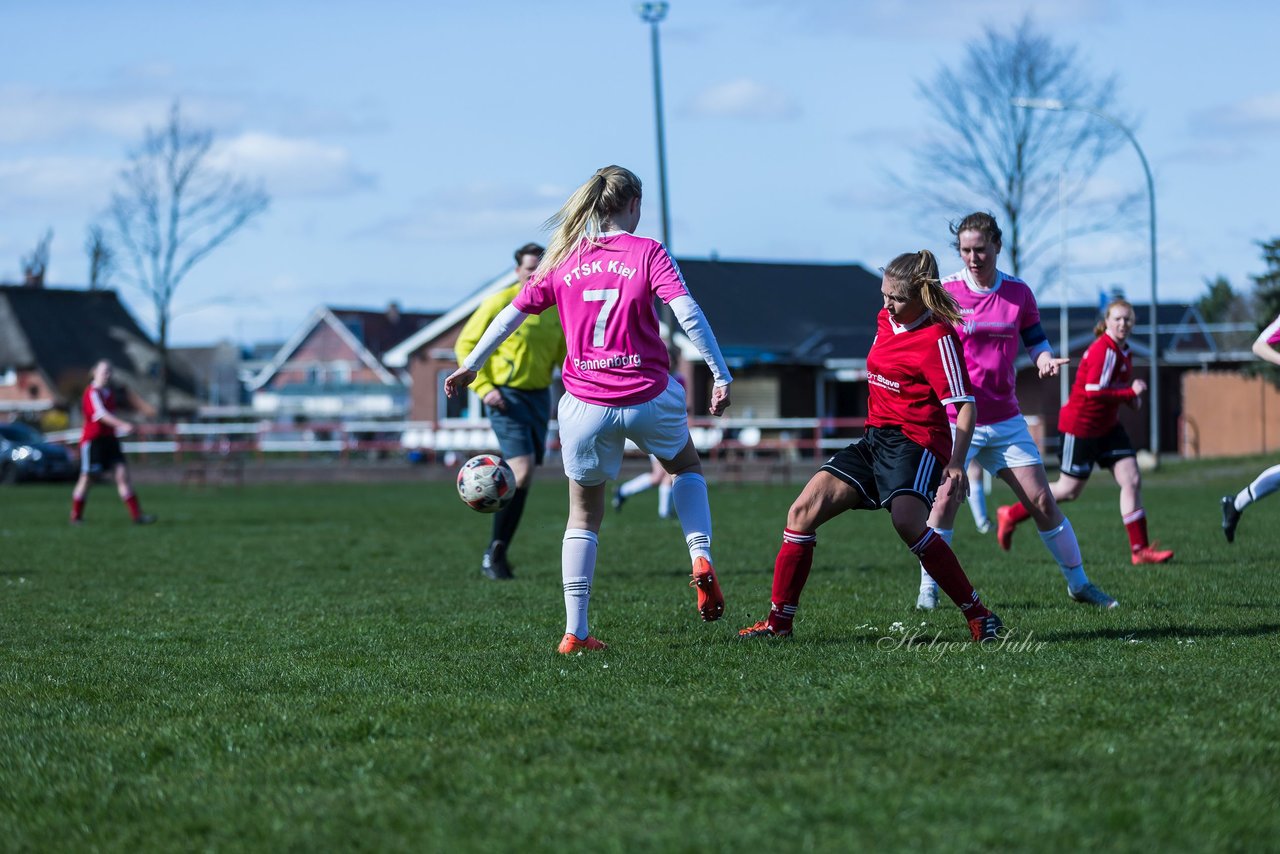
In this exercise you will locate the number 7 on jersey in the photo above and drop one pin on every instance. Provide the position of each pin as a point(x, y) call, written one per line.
point(608, 296)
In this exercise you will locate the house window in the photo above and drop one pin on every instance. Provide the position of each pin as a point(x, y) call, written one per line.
point(8, 377)
point(450, 407)
point(341, 372)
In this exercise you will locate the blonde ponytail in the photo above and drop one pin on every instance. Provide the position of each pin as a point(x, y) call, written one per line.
point(584, 213)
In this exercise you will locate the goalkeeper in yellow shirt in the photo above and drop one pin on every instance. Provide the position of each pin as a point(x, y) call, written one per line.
point(515, 386)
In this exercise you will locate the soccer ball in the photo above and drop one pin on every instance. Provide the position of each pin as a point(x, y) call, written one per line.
point(486, 483)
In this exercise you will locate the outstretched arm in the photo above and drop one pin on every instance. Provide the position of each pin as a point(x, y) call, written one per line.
point(507, 321)
point(694, 323)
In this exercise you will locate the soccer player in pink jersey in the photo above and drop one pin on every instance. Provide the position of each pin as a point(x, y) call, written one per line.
point(603, 279)
point(100, 447)
point(1265, 348)
point(1093, 435)
point(999, 318)
point(915, 368)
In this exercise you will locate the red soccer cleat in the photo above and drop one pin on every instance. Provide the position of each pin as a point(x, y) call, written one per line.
point(762, 629)
point(1004, 527)
point(986, 628)
point(571, 643)
point(710, 599)
point(1151, 554)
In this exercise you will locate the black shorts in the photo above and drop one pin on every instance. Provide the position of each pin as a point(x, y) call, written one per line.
point(1080, 455)
point(100, 454)
point(885, 464)
point(522, 428)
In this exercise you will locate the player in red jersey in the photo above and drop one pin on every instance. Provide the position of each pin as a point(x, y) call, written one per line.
point(100, 446)
point(915, 369)
point(1092, 433)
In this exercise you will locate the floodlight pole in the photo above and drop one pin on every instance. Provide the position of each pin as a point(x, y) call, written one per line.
point(653, 14)
point(1058, 106)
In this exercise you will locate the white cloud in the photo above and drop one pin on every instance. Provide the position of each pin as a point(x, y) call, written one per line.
point(744, 99)
point(291, 166)
point(57, 183)
point(1250, 115)
point(471, 211)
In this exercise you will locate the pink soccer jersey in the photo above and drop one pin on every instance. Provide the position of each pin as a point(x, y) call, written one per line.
point(1272, 333)
point(992, 337)
point(605, 296)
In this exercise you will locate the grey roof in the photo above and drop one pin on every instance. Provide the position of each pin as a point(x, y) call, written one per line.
point(63, 331)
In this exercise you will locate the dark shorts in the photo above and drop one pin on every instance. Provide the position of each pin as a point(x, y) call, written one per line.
point(100, 454)
point(522, 427)
point(1080, 455)
point(885, 464)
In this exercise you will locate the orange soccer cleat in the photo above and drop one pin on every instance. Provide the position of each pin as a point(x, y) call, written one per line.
point(762, 629)
point(571, 643)
point(710, 599)
point(1151, 554)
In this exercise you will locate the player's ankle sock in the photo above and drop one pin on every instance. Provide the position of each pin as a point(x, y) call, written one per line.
point(506, 520)
point(940, 562)
point(1135, 525)
point(694, 509)
point(639, 483)
point(77, 508)
point(790, 572)
point(1262, 486)
point(577, 569)
point(664, 499)
point(1065, 548)
point(926, 580)
point(135, 510)
point(1018, 513)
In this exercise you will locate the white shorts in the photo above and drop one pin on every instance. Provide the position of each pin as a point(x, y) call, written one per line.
point(1003, 445)
point(593, 437)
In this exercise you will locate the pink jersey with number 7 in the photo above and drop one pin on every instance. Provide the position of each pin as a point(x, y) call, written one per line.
point(605, 295)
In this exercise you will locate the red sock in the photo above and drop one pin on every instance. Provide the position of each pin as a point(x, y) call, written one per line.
point(790, 572)
point(940, 562)
point(134, 510)
point(1135, 525)
point(1017, 513)
point(77, 508)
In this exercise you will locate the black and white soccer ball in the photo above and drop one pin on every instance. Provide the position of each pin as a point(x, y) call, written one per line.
point(486, 483)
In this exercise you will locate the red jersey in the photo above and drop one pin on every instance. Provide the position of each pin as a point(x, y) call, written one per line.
point(1103, 382)
point(95, 403)
point(914, 372)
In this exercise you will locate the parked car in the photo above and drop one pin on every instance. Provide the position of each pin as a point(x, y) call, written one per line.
point(25, 455)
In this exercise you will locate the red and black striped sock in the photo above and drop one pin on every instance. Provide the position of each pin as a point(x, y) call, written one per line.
point(940, 562)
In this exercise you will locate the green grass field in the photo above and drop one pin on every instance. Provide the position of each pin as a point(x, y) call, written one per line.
point(323, 667)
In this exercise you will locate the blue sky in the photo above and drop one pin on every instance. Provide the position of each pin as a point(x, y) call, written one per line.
point(410, 146)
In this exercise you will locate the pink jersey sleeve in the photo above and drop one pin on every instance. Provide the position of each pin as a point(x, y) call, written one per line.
point(664, 276)
point(535, 297)
point(1030, 315)
point(1271, 334)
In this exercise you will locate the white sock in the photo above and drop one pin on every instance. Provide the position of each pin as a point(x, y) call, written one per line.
point(664, 499)
point(1065, 548)
point(639, 483)
point(577, 569)
point(689, 492)
point(1262, 486)
point(978, 502)
point(926, 580)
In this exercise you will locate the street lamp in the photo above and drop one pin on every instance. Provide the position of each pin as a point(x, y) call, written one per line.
point(653, 14)
point(1059, 106)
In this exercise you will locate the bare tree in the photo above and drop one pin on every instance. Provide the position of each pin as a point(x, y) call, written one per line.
point(36, 264)
point(986, 153)
point(173, 209)
point(101, 258)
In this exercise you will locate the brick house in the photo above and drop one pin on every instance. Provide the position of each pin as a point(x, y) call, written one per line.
point(332, 366)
